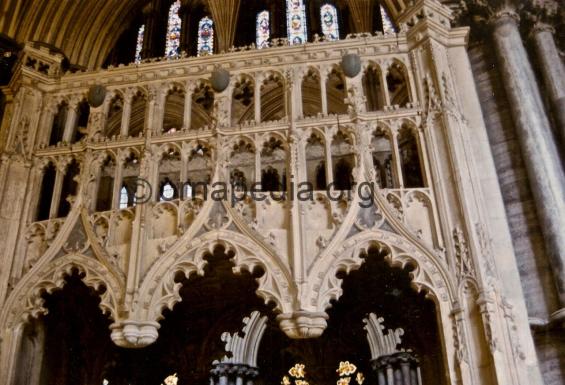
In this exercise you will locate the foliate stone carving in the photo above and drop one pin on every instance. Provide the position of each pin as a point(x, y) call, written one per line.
point(485, 244)
point(381, 344)
point(508, 310)
point(29, 303)
point(486, 306)
point(244, 345)
point(463, 262)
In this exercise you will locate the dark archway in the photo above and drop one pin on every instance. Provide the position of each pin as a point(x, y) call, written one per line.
point(376, 288)
point(190, 335)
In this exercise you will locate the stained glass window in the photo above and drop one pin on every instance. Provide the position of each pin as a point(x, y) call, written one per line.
point(296, 21)
point(167, 192)
point(139, 44)
point(330, 26)
point(263, 29)
point(124, 198)
point(388, 27)
point(172, 43)
point(205, 36)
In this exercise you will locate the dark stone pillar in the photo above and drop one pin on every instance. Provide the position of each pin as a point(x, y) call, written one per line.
point(233, 374)
point(397, 369)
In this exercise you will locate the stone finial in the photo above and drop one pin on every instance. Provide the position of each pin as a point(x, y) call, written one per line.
point(244, 346)
point(381, 344)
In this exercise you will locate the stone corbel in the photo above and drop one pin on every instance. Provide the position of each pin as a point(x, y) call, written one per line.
point(303, 324)
point(134, 334)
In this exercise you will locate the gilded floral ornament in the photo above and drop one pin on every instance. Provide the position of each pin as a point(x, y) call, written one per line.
point(346, 368)
point(297, 371)
point(360, 378)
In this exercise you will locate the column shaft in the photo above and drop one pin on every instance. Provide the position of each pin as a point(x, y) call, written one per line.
point(543, 165)
point(553, 73)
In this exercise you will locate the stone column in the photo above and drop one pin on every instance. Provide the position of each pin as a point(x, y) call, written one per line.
point(552, 71)
point(397, 369)
point(70, 124)
point(227, 373)
point(543, 165)
point(126, 113)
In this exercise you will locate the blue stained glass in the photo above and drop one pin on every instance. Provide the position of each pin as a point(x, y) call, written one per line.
point(296, 21)
point(205, 36)
point(139, 44)
point(330, 26)
point(263, 29)
point(172, 44)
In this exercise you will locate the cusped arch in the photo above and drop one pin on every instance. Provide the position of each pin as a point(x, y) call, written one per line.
point(26, 300)
point(160, 290)
point(429, 272)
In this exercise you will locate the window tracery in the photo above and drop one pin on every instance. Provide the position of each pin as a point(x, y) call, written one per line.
point(330, 25)
point(296, 21)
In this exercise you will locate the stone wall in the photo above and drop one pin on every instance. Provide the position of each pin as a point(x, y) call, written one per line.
point(535, 272)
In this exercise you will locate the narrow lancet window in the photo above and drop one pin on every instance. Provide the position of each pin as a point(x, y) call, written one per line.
point(172, 42)
point(330, 25)
point(205, 36)
point(263, 27)
point(139, 44)
point(296, 21)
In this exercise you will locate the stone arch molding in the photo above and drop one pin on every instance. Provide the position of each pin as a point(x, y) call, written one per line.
point(26, 302)
point(429, 273)
point(160, 291)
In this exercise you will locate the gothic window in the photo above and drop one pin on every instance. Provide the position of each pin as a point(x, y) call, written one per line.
point(69, 188)
point(205, 36)
point(397, 84)
point(272, 98)
point(173, 118)
point(46, 192)
point(243, 98)
point(167, 192)
point(336, 92)
point(58, 126)
point(106, 185)
point(172, 42)
point(169, 173)
point(139, 44)
point(330, 26)
point(83, 112)
point(343, 161)
point(124, 197)
point(296, 21)
point(373, 88)
point(311, 93)
point(410, 158)
point(382, 159)
point(315, 162)
point(114, 118)
point(273, 170)
point(388, 27)
point(263, 27)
